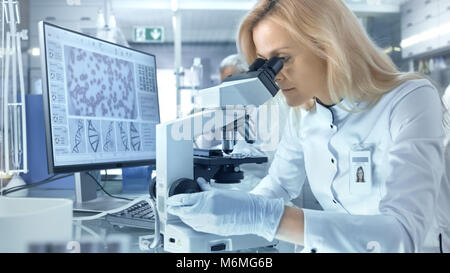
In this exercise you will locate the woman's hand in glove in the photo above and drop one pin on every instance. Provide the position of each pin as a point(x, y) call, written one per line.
point(227, 212)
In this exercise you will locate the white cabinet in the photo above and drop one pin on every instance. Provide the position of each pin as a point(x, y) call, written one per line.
point(444, 20)
point(408, 32)
point(416, 11)
point(423, 19)
point(410, 51)
point(444, 5)
point(444, 40)
point(444, 15)
point(410, 18)
point(429, 8)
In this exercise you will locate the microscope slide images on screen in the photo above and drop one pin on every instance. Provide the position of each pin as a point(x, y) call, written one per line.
point(102, 100)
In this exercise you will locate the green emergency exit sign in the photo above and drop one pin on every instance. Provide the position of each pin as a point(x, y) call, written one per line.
point(149, 34)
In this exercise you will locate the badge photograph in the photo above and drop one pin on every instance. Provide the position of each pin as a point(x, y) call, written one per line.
point(360, 172)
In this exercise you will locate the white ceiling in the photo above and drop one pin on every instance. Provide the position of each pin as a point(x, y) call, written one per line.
point(202, 20)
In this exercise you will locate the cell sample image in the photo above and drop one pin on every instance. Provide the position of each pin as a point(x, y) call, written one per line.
point(108, 134)
point(77, 132)
point(122, 136)
point(99, 85)
point(135, 136)
point(93, 136)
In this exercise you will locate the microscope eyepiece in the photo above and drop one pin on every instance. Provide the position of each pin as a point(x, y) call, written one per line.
point(273, 66)
point(276, 64)
point(264, 70)
point(257, 64)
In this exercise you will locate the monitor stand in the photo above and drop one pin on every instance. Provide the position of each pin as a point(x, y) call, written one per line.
point(86, 199)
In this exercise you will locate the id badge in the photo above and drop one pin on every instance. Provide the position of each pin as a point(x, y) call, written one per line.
point(360, 170)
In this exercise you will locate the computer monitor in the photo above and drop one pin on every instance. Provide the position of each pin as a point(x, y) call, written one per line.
point(100, 104)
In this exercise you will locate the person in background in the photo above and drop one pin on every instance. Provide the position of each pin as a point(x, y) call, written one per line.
point(233, 64)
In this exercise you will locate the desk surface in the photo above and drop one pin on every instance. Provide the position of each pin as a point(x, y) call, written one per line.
point(100, 236)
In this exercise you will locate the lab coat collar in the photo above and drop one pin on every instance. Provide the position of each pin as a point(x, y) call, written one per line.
point(321, 113)
point(333, 113)
point(339, 112)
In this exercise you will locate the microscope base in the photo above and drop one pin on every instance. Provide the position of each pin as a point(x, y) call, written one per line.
point(180, 238)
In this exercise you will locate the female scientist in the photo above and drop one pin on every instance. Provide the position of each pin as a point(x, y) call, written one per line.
point(367, 113)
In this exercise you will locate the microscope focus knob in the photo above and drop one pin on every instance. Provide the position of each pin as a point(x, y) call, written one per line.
point(184, 185)
point(152, 188)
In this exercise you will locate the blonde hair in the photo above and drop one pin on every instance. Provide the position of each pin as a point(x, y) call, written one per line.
point(356, 68)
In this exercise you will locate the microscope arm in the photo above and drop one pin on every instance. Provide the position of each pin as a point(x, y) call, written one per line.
point(174, 148)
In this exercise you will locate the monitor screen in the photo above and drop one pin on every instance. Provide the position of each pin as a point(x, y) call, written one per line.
point(100, 102)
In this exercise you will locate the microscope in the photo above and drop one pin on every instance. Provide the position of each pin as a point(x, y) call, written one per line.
point(178, 164)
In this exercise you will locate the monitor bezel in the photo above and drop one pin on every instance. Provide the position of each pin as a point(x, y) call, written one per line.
point(52, 169)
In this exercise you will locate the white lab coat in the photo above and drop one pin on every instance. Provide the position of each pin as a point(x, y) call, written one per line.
point(409, 202)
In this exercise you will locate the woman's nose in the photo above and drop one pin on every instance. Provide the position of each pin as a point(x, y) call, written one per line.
point(279, 77)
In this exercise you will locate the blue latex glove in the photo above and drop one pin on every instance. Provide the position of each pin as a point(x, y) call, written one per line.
point(228, 212)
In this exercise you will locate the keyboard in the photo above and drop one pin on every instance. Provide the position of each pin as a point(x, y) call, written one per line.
point(139, 215)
